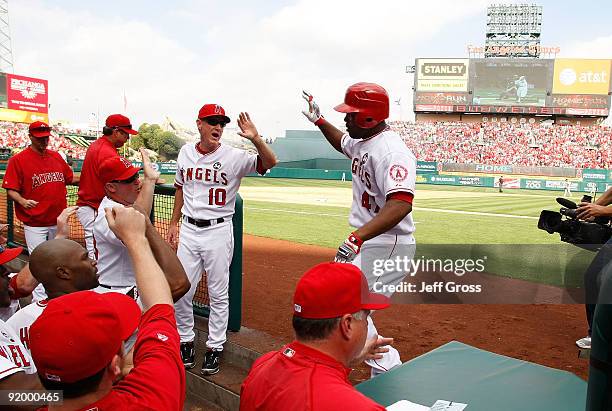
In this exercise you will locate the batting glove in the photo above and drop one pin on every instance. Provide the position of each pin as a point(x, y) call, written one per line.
point(314, 112)
point(349, 249)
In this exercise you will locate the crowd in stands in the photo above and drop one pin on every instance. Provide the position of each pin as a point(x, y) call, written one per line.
point(15, 137)
point(507, 143)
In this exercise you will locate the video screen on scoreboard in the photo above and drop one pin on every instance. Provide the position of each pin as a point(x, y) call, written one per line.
point(506, 82)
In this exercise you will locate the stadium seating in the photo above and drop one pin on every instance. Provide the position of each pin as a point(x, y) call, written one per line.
point(507, 143)
point(15, 136)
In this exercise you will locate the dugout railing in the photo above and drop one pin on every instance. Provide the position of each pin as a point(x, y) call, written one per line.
point(161, 213)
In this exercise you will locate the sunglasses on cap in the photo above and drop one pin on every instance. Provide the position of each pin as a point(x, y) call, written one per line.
point(214, 121)
point(127, 181)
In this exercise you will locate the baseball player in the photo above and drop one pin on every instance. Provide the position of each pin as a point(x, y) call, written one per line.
point(124, 188)
point(62, 266)
point(17, 370)
point(88, 331)
point(36, 181)
point(207, 179)
point(384, 174)
point(115, 134)
point(521, 88)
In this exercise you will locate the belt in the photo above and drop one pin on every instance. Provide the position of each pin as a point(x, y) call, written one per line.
point(203, 223)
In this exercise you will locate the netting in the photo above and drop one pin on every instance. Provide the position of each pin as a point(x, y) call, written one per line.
point(163, 203)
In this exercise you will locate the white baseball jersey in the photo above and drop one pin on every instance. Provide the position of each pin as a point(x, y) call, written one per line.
point(115, 267)
point(210, 181)
point(23, 319)
point(13, 355)
point(381, 165)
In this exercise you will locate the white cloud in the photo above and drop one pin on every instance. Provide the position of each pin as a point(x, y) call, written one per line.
point(598, 48)
point(245, 62)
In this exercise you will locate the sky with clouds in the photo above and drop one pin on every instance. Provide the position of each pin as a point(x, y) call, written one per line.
point(170, 57)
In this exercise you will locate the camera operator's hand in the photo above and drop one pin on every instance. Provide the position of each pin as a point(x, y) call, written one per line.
point(587, 211)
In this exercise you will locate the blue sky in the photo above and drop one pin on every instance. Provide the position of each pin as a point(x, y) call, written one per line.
point(172, 57)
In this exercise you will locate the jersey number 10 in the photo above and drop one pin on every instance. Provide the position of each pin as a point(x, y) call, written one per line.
point(217, 196)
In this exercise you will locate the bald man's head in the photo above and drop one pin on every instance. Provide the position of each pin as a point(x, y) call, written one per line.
point(62, 267)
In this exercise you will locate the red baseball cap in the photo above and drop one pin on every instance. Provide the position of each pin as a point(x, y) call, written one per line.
point(40, 129)
point(116, 169)
point(212, 110)
point(120, 121)
point(8, 254)
point(330, 290)
point(78, 334)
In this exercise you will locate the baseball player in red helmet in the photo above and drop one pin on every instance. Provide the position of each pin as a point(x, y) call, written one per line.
point(384, 173)
point(207, 179)
point(36, 181)
point(115, 134)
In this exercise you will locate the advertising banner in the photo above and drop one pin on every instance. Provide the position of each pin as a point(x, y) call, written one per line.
point(509, 109)
point(508, 183)
point(594, 174)
point(18, 116)
point(425, 167)
point(26, 93)
point(442, 75)
point(442, 98)
point(434, 107)
point(584, 101)
point(508, 169)
point(510, 82)
point(581, 76)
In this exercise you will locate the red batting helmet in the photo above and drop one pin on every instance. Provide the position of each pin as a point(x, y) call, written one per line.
point(370, 101)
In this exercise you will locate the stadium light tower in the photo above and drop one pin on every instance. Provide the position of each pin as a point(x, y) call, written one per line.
point(513, 30)
point(6, 50)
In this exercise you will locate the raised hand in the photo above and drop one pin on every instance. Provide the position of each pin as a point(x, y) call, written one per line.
point(247, 127)
point(314, 112)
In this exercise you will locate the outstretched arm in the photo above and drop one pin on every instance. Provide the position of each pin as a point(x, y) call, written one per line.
point(331, 133)
point(168, 262)
point(129, 226)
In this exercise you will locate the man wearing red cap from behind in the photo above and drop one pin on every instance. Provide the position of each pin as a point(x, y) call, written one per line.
point(330, 309)
point(208, 175)
point(36, 181)
point(115, 134)
point(88, 330)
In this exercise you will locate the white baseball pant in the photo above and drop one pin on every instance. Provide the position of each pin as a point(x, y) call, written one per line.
point(33, 237)
point(210, 250)
point(385, 247)
point(86, 216)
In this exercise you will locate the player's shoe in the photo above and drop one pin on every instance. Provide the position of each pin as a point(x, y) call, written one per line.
point(212, 359)
point(584, 343)
point(188, 354)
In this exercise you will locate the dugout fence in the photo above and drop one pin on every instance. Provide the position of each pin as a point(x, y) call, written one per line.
point(161, 213)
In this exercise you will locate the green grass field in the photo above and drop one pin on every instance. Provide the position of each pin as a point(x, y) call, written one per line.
point(449, 220)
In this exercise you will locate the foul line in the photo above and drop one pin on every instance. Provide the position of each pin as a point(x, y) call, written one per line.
point(438, 210)
point(476, 213)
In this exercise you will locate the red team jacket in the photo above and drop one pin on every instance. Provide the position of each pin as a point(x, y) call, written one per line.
point(91, 188)
point(157, 381)
point(301, 378)
point(42, 178)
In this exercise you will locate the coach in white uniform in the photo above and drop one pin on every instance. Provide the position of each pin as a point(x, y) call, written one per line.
point(384, 175)
point(207, 179)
